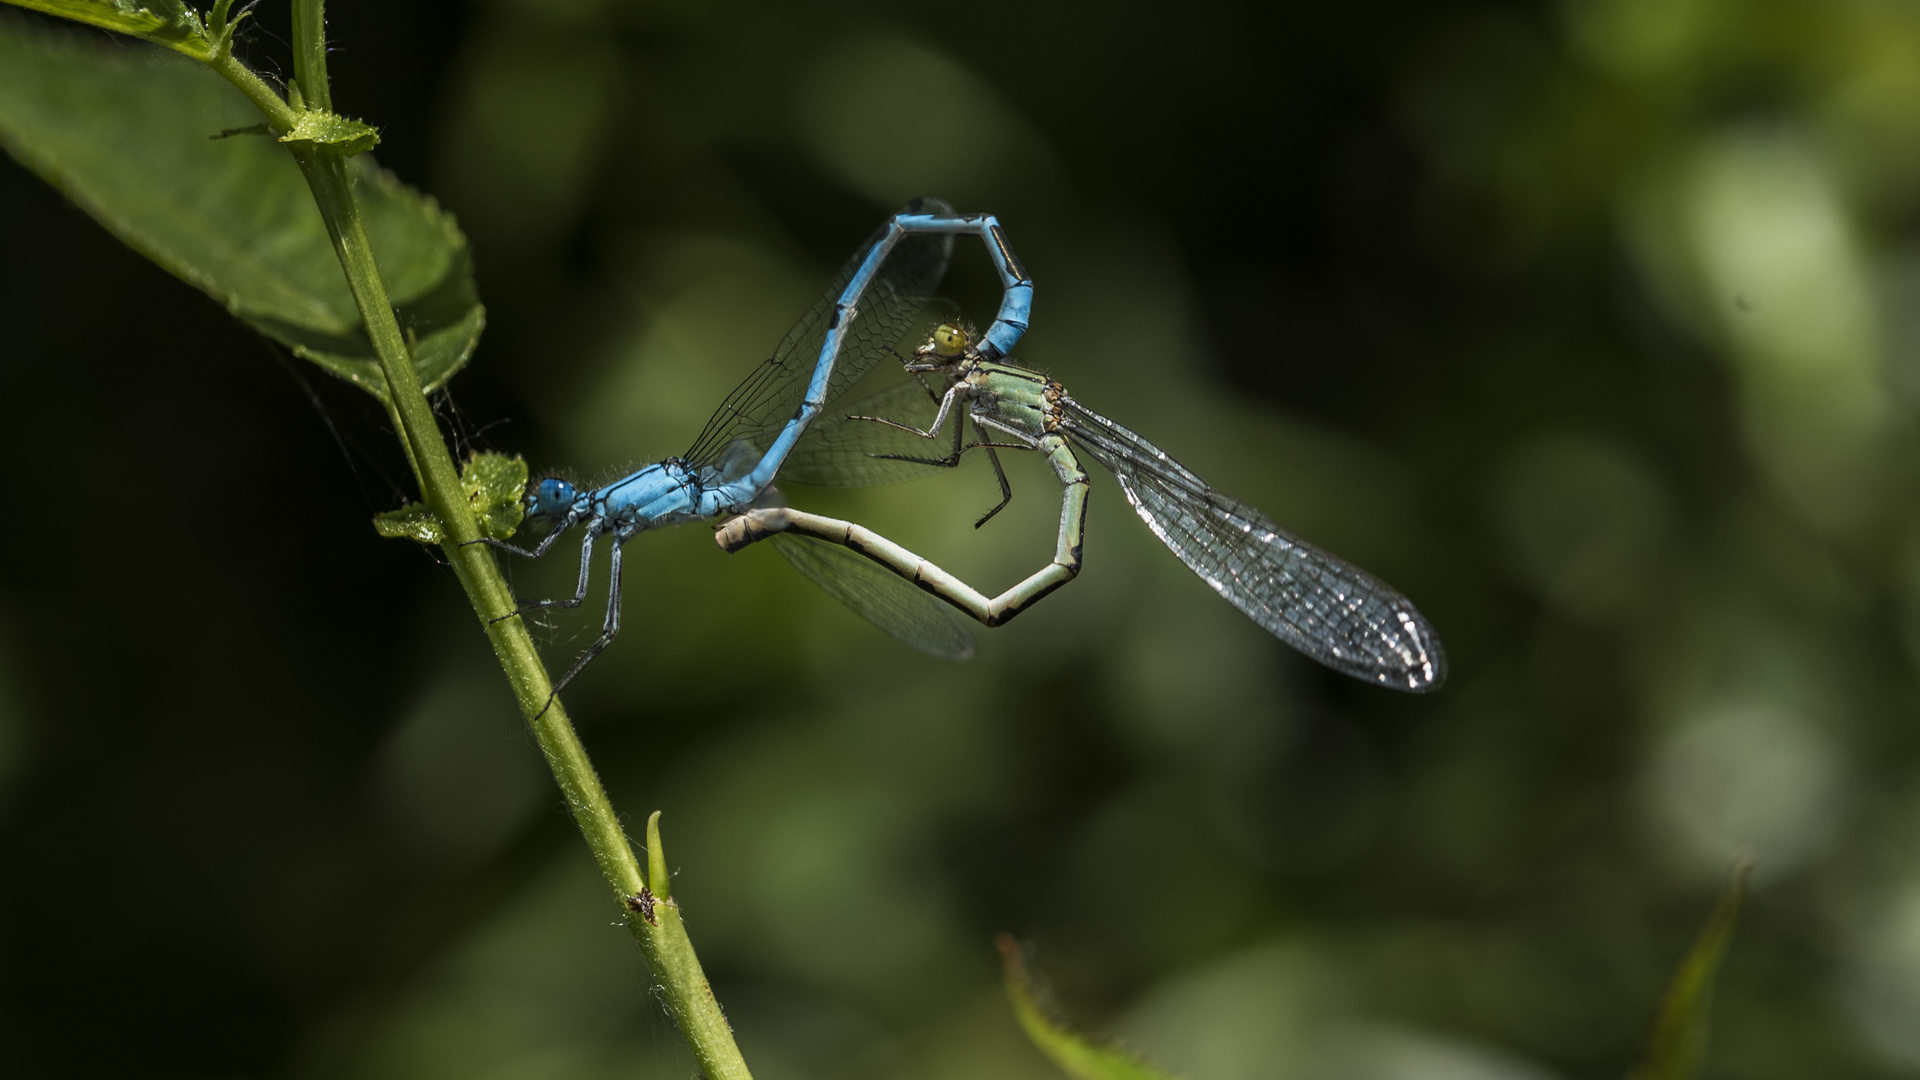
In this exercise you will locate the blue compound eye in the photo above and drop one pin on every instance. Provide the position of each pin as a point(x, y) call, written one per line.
point(550, 498)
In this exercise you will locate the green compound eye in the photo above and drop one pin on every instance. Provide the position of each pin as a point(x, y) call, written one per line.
point(949, 340)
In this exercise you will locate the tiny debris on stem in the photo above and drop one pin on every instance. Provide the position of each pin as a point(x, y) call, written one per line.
point(642, 902)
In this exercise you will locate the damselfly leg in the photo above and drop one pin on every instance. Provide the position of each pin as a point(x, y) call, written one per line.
point(952, 460)
point(523, 607)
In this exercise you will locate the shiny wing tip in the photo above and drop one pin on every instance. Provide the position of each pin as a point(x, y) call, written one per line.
point(1424, 659)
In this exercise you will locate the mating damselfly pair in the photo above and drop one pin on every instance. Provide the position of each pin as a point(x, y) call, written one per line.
point(786, 420)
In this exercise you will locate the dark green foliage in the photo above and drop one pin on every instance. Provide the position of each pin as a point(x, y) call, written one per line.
point(165, 22)
point(134, 137)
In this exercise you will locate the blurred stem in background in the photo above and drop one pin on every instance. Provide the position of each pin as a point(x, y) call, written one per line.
point(1677, 1045)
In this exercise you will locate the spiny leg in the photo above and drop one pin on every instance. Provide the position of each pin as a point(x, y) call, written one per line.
point(953, 460)
point(546, 542)
point(932, 394)
point(918, 374)
point(1074, 485)
point(579, 592)
point(1006, 489)
point(907, 363)
point(608, 631)
point(939, 419)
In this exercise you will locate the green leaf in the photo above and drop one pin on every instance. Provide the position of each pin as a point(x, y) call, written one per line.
point(164, 22)
point(1677, 1047)
point(332, 130)
point(1077, 1055)
point(494, 484)
point(131, 136)
point(411, 522)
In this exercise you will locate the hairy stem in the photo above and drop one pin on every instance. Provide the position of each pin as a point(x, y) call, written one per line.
point(655, 925)
point(671, 959)
point(280, 115)
point(310, 53)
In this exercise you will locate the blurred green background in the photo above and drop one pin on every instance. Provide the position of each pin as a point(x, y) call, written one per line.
point(1590, 325)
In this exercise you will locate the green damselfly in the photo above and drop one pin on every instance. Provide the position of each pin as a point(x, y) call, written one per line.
point(1327, 608)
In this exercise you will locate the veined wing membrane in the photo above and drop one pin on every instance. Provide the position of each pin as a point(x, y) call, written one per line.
point(1322, 605)
point(839, 451)
point(758, 408)
point(879, 596)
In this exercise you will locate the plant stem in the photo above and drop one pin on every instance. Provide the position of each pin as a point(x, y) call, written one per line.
point(662, 937)
point(280, 115)
point(673, 962)
point(310, 54)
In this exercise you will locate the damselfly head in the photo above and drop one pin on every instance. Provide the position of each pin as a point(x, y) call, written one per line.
point(948, 341)
point(550, 498)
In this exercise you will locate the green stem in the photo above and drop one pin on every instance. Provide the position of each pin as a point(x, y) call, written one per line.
point(280, 115)
point(662, 938)
point(310, 54)
point(672, 961)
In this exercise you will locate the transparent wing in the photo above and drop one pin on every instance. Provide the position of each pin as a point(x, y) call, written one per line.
point(839, 451)
point(889, 310)
point(1322, 605)
point(880, 597)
